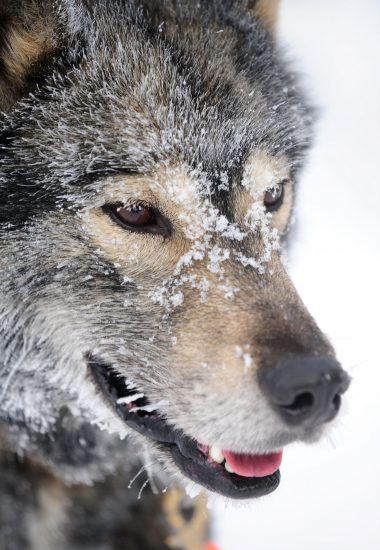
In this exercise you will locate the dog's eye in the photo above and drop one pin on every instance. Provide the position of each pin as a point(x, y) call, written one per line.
point(274, 196)
point(139, 217)
point(136, 215)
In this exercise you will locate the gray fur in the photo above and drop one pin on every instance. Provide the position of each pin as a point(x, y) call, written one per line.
point(130, 87)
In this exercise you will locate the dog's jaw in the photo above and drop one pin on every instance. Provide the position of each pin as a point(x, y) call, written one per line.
point(230, 473)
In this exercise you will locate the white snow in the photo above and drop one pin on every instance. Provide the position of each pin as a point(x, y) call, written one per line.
point(246, 356)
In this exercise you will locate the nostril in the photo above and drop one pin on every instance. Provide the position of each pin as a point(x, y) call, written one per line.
point(336, 402)
point(305, 390)
point(300, 405)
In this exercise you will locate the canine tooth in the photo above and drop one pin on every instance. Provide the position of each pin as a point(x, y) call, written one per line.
point(228, 468)
point(216, 454)
point(129, 399)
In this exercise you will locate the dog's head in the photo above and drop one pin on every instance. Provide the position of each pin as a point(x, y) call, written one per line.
point(148, 171)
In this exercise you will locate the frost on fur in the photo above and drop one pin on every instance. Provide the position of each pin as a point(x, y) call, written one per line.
point(202, 229)
point(127, 108)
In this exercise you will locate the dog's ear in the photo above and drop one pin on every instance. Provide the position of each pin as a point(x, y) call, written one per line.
point(30, 33)
point(266, 11)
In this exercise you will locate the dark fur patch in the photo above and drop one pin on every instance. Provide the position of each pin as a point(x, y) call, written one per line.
point(253, 56)
point(142, 87)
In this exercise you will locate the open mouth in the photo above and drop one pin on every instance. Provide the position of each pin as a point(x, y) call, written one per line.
point(230, 474)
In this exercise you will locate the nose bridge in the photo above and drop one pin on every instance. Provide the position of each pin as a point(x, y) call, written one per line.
point(281, 323)
point(265, 315)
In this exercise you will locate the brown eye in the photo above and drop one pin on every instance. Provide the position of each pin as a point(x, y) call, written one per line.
point(273, 196)
point(139, 217)
point(136, 215)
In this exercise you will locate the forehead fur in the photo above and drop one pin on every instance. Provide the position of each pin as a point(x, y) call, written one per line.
point(168, 91)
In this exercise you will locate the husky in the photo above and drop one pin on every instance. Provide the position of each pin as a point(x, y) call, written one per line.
point(150, 154)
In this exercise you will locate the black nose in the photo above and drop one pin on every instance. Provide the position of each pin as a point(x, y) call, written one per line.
point(306, 390)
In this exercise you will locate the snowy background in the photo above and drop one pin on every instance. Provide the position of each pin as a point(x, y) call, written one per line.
point(329, 494)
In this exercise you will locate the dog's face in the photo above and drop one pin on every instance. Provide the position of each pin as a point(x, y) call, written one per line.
point(142, 281)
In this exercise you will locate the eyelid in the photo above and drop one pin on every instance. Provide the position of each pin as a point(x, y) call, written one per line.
point(131, 203)
point(281, 182)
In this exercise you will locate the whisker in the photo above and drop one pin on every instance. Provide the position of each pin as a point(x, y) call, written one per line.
point(142, 469)
point(149, 471)
point(351, 368)
point(142, 488)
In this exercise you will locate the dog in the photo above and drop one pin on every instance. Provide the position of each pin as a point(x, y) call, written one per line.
point(150, 153)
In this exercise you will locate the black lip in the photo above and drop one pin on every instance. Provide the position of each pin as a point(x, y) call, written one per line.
point(215, 477)
point(184, 450)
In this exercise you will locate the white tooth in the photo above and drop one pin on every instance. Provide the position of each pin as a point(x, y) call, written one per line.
point(228, 468)
point(216, 454)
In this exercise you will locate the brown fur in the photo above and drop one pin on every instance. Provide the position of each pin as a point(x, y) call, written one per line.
point(267, 12)
point(24, 50)
point(62, 515)
point(264, 169)
point(196, 118)
point(264, 312)
point(29, 38)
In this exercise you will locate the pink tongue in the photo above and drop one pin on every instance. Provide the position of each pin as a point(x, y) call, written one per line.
point(253, 465)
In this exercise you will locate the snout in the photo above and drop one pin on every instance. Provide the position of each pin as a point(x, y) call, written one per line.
point(305, 391)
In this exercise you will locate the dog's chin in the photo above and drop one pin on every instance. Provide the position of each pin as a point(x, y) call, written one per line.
point(255, 475)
